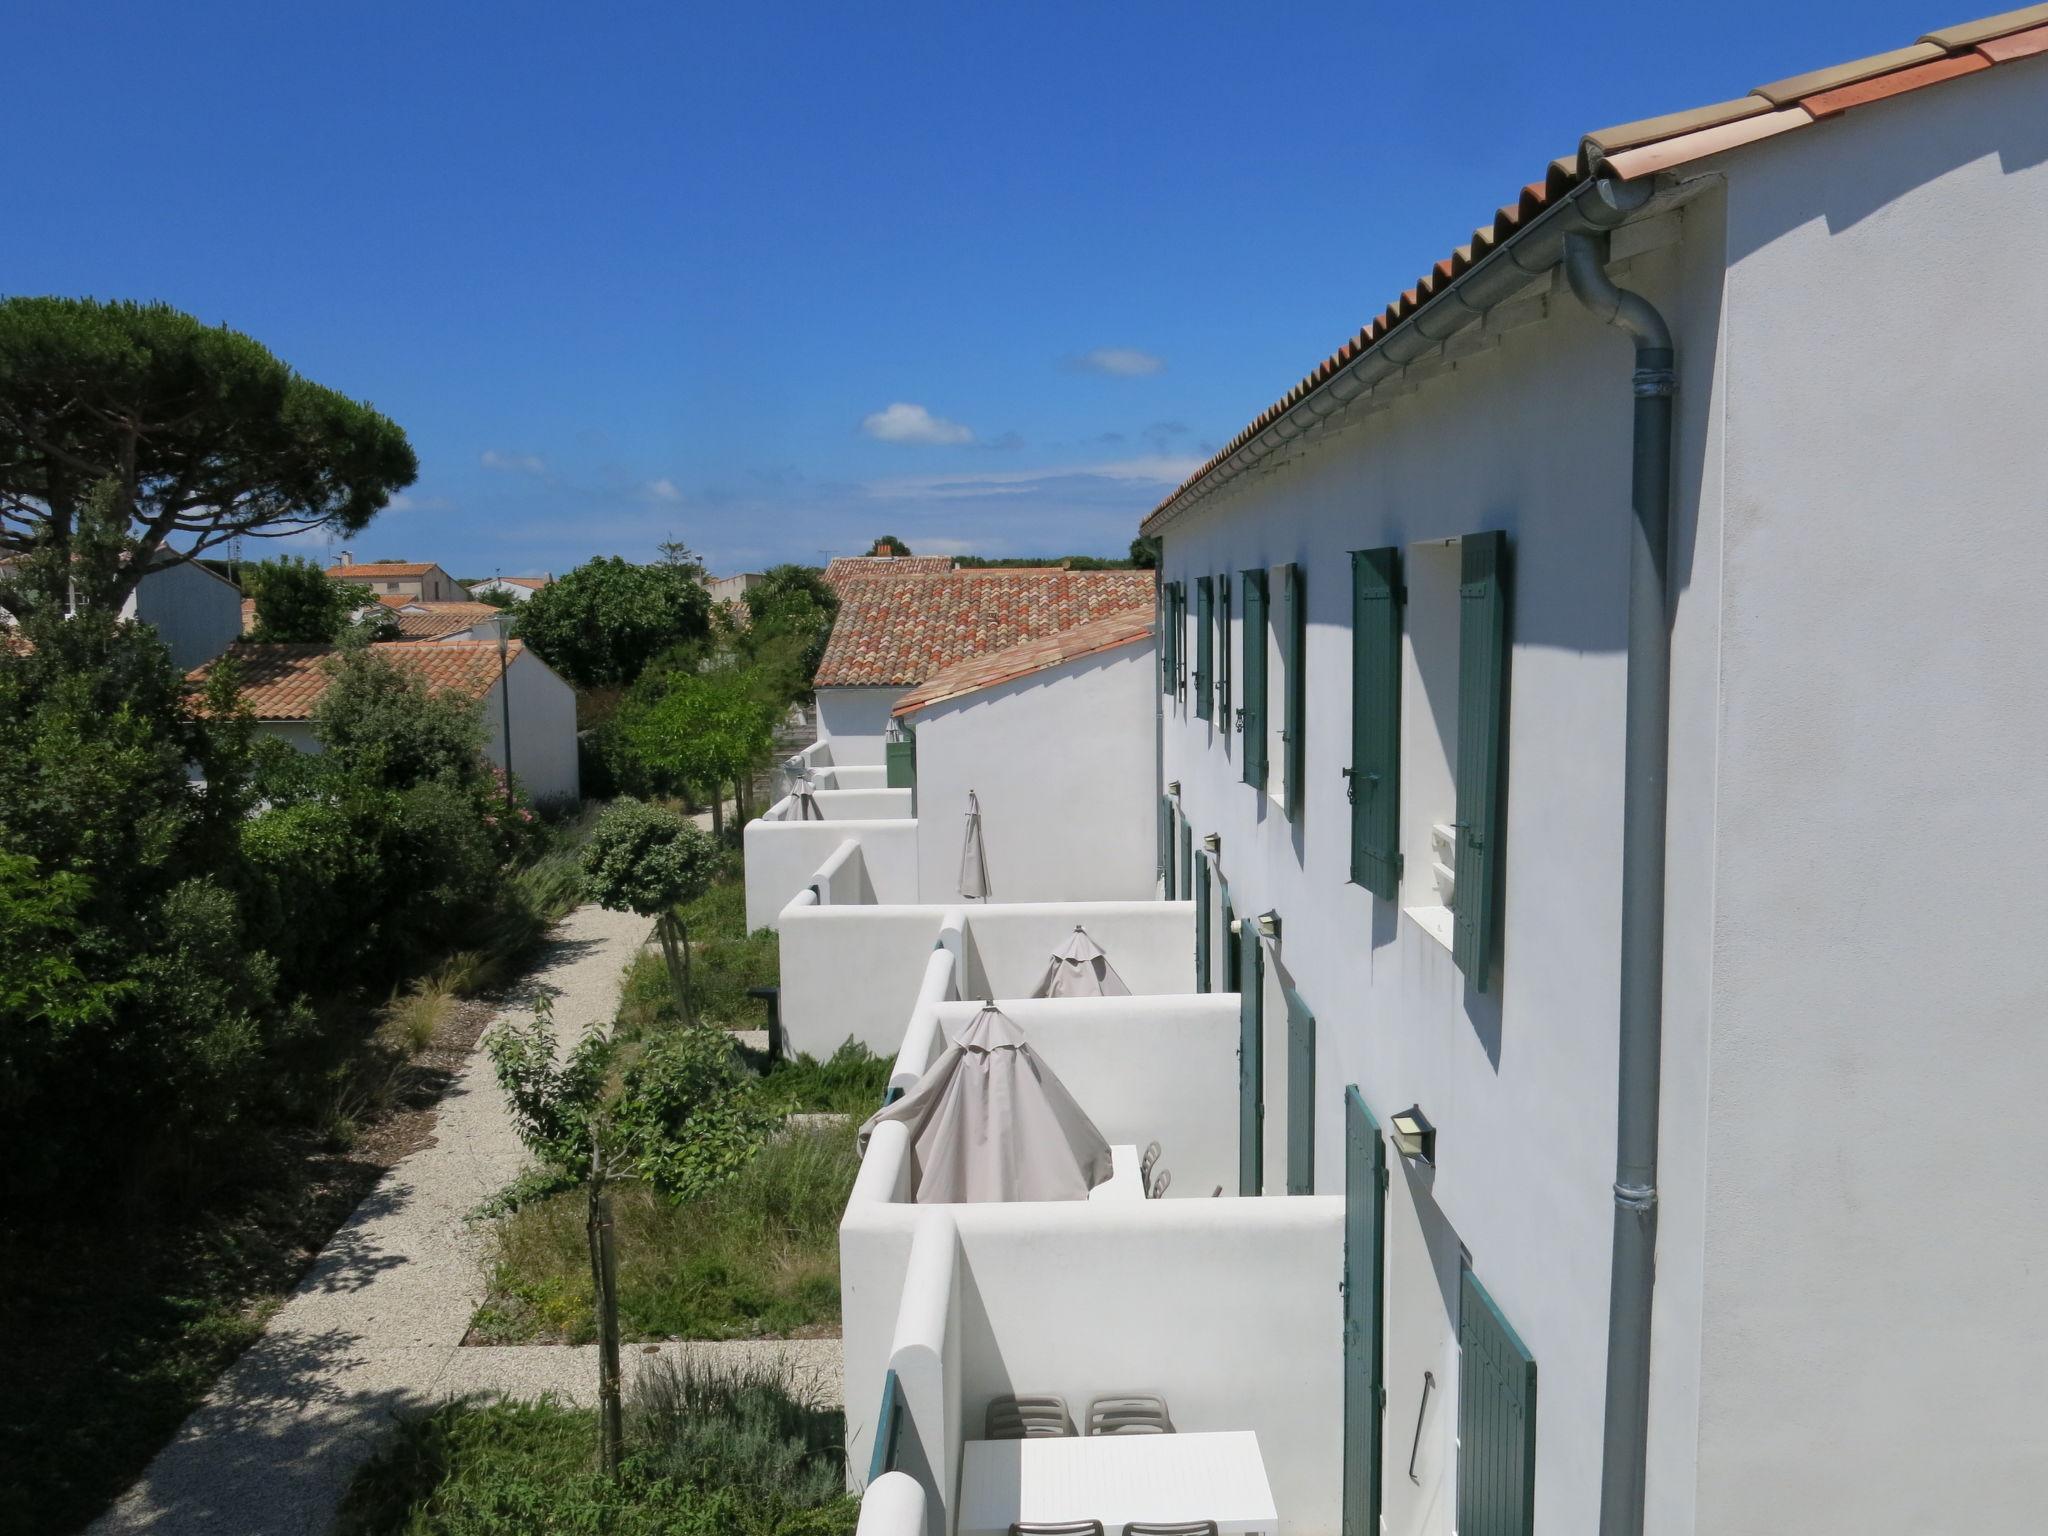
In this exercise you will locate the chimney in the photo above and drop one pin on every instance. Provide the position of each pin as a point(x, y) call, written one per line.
point(881, 551)
point(347, 558)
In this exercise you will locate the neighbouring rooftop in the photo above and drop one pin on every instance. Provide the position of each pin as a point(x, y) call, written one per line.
point(286, 682)
point(1654, 144)
point(900, 633)
point(1012, 662)
point(383, 568)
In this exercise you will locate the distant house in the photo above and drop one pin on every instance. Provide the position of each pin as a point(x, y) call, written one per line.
point(730, 589)
point(518, 588)
point(447, 621)
point(196, 612)
point(420, 580)
point(896, 628)
point(1070, 825)
point(283, 684)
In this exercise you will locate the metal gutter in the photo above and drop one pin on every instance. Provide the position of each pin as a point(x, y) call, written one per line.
point(1645, 762)
point(1505, 272)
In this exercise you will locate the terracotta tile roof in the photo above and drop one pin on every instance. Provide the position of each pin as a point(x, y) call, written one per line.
point(899, 633)
point(849, 567)
point(440, 619)
point(285, 682)
point(531, 583)
point(1631, 150)
point(1014, 661)
point(379, 569)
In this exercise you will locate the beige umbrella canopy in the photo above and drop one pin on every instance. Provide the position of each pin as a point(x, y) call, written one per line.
point(1080, 969)
point(990, 1121)
point(973, 856)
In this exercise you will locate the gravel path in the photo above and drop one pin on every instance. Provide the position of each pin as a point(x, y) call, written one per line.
point(377, 1323)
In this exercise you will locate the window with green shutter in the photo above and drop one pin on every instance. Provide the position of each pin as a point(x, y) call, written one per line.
point(1301, 1095)
point(1373, 781)
point(1251, 718)
point(1165, 847)
point(1251, 1057)
point(1223, 652)
point(1187, 859)
point(1180, 641)
point(1365, 1241)
point(1205, 640)
point(1496, 1420)
point(1202, 923)
point(1294, 678)
point(1482, 732)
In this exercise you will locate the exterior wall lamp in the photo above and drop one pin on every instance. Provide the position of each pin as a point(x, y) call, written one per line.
point(1173, 788)
point(1414, 1136)
point(1269, 925)
point(1212, 842)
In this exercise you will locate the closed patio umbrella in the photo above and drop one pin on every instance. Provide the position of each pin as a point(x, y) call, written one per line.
point(806, 793)
point(973, 857)
point(1080, 969)
point(990, 1121)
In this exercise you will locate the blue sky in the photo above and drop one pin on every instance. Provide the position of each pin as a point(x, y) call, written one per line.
point(773, 280)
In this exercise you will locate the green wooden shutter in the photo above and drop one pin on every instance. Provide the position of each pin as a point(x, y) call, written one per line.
point(1294, 708)
point(1180, 641)
point(1224, 917)
point(899, 760)
point(1223, 652)
point(1202, 923)
point(1301, 1096)
point(1205, 645)
point(1165, 847)
point(1374, 777)
point(1482, 733)
point(1251, 1064)
point(1252, 717)
point(1365, 1236)
point(1187, 859)
point(1496, 1420)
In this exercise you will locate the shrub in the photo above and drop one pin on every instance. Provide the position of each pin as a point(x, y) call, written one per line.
point(688, 1115)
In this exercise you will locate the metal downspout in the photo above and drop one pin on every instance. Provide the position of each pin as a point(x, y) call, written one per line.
point(1646, 756)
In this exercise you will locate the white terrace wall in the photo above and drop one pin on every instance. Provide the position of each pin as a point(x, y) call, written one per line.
point(782, 857)
point(855, 970)
point(854, 721)
point(1227, 1308)
point(1874, 1249)
point(1061, 766)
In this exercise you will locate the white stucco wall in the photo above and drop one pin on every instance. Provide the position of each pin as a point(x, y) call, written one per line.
point(782, 856)
point(195, 613)
point(543, 729)
point(853, 720)
point(1527, 432)
point(1061, 764)
point(1874, 1252)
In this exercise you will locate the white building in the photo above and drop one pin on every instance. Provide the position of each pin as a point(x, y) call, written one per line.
point(518, 588)
point(195, 611)
point(1624, 851)
point(417, 580)
point(283, 684)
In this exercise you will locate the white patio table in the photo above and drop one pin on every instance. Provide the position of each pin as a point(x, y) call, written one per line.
point(1216, 1476)
point(1125, 1181)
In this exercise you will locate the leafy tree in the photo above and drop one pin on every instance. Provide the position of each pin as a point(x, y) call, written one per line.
point(1145, 553)
point(602, 623)
point(382, 725)
point(298, 601)
point(679, 1111)
point(645, 858)
point(889, 544)
point(497, 597)
point(795, 603)
point(706, 729)
point(203, 435)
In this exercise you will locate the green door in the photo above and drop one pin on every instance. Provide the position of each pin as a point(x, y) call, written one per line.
point(1301, 1096)
point(1365, 1234)
point(899, 758)
point(1202, 923)
point(1496, 1420)
point(1251, 1064)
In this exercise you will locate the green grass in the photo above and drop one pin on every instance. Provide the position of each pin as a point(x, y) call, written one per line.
point(851, 1081)
point(758, 1258)
point(710, 1451)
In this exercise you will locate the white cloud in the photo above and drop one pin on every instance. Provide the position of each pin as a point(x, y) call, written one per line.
point(663, 489)
point(1152, 469)
point(903, 423)
point(517, 463)
point(1120, 362)
point(401, 502)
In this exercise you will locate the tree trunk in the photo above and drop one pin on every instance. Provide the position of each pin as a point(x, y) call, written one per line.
point(739, 799)
point(604, 1274)
point(717, 810)
point(675, 952)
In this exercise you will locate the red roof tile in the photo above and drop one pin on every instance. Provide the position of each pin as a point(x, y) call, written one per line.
point(848, 567)
point(1654, 144)
point(285, 682)
point(378, 569)
point(899, 633)
point(1014, 661)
